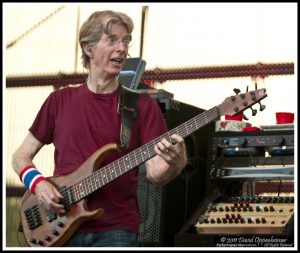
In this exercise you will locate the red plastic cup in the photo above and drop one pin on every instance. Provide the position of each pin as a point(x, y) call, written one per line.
point(284, 117)
point(238, 117)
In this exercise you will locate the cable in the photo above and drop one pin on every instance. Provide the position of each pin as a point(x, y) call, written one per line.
point(20, 229)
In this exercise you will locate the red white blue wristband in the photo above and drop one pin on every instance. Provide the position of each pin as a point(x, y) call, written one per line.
point(30, 176)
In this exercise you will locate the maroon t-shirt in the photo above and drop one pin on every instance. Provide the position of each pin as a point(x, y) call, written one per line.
point(78, 122)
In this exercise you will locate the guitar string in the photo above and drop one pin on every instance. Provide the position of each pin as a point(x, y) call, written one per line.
point(119, 170)
point(179, 129)
point(182, 129)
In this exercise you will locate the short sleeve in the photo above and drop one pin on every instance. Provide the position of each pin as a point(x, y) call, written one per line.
point(44, 123)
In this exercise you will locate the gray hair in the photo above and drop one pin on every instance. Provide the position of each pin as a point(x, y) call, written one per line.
point(98, 23)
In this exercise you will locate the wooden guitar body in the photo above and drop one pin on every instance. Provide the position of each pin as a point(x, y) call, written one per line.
point(44, 228)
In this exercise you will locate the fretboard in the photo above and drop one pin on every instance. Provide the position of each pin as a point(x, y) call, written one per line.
point(138, 156)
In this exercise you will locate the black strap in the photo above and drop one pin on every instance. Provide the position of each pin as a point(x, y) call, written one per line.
point(127, 108)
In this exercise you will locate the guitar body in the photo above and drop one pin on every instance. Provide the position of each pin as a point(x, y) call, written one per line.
point(44, 228)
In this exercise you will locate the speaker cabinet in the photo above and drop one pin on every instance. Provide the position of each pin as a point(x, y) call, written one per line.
point(165, 209)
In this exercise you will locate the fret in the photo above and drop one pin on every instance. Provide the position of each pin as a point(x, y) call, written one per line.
point(177, 130)
point(97, 182)
point(124, 164)
point(119, 167)
point(145, 153)
point(113, 171)
point(78, 192)
point(104, 178)
point(142, 154)
point(135, 158)
point(89, 186)
point(169, 137)
point(75, 192)
point(84, 186)
point(205, 117)
point(195, 122)
point(128, 165)
point(148, 149)
point(186, 129)
point(81, 192)
point(109, 176)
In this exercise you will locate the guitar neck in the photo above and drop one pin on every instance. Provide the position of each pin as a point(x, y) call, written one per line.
point(138, 156)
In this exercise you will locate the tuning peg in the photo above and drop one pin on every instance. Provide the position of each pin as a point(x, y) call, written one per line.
point(261, 107)
point(236, 91)
point(244, 117)
point(254, 111)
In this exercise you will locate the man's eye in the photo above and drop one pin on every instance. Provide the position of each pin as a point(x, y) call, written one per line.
point(111, 40)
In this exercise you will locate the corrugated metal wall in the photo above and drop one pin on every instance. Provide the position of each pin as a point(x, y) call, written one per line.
point(42, 39)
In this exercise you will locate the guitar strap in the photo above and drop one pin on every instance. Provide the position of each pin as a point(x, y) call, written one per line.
point(127, 108)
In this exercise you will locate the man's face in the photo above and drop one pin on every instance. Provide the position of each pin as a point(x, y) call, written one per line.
point(111, 50)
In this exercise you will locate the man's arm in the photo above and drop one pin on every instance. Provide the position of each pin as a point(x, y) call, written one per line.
point(169, 161)
point(22, 158)
point(24, 155)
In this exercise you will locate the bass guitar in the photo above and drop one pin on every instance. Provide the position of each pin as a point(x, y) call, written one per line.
point(43, 228)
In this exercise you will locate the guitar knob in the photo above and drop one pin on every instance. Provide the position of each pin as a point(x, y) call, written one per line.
point(32, 240)
point(54, 232)
point(39, 242)
point(60, 224)
point(47, 238)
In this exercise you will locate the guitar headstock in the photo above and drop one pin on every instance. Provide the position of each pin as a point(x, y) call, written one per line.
point(240, 102)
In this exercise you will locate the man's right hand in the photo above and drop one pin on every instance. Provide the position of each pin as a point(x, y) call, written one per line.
point(49, 196)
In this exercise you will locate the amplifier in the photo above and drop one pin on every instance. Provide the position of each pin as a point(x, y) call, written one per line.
point(230, 154)
point(259, 139)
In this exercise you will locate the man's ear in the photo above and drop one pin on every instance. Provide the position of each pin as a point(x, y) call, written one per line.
point(87, 49)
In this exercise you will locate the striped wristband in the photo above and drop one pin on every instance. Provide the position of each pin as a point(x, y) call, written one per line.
point(30, 176)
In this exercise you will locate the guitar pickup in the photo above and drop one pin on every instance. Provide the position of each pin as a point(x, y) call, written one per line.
point(68, 199)
point(50, 215)
point(33, 217)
